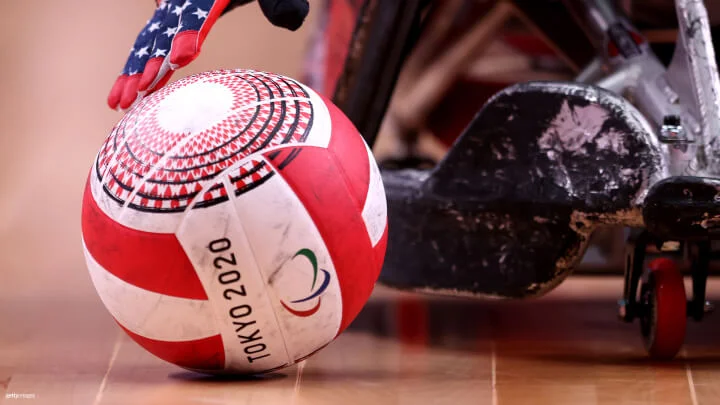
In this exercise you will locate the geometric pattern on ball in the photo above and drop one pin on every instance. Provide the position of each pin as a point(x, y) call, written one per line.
point(234, 222)
point(156, 164)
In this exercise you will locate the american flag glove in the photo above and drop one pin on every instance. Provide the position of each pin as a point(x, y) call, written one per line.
point(173, 37)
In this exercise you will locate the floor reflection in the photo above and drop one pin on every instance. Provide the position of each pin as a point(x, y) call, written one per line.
point(559, 326)
point(566, 348)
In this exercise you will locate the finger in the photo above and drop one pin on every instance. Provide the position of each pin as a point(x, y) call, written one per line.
point(135, 63)
point(140, 95)
point(164, 78)
point(156, 76)
point(161, 49)
point(132, 69)
point(136, 66)
point(154, 71)
point(289, 14)
point(130, 93)
point(197, 17)
point(116, 91)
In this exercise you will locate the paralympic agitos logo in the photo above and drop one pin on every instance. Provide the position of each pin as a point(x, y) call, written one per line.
point(314, 292)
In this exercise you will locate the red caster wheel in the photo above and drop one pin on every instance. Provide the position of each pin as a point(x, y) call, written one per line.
point(664, 315)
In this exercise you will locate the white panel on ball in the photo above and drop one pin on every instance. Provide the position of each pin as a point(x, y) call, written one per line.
point(149, 314)
point(374, 211)
point(280, 227)
point(217, 246)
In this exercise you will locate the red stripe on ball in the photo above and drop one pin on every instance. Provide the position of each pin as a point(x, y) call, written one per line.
point(202, 354)
point(347, 145)
point(153, 261)
point(332, 202)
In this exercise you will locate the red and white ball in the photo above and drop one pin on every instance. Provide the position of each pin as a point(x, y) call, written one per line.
point(234, 222)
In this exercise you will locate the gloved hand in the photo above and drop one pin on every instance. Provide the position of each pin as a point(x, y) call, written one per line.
point(174, 35)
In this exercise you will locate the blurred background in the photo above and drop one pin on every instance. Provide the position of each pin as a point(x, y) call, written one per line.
point(59, 60)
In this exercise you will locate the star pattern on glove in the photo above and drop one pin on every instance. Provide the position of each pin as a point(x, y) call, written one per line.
point(173, 37)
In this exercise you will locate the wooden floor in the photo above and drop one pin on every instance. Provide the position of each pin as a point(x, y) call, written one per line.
point(566, 348)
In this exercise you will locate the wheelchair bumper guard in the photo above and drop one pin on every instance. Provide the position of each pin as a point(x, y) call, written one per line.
point(509, 211)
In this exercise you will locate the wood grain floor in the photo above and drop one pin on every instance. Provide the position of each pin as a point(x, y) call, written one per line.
point(566, 348)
